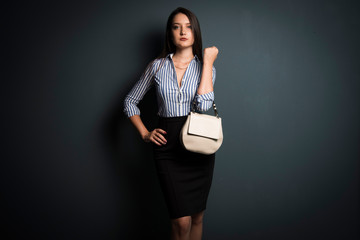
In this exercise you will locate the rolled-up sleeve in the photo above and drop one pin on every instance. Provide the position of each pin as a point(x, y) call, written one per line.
point(138, 91)
point(204, 101)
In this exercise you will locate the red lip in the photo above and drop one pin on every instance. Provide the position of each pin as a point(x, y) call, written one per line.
point(183, 39)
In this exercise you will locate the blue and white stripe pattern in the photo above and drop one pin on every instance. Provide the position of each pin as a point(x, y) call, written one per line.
point(173, 101)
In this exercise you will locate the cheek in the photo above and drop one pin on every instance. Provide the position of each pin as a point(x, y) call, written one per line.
point(192, 37)
point(173, 38)
point(174, 34)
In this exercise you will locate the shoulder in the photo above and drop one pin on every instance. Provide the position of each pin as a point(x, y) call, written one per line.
point(157, 61)
point(154, 64)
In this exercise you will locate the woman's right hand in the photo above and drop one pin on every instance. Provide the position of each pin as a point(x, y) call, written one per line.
point(156, 136)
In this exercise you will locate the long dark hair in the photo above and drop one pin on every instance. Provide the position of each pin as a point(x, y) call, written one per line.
point(169, 46)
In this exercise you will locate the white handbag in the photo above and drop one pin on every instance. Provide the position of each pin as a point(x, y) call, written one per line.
point(202, 133)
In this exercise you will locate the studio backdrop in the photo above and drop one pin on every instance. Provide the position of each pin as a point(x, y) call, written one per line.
point(287, 89)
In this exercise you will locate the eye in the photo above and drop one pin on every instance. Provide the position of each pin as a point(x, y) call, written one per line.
point(175, 27)
point(189, 26)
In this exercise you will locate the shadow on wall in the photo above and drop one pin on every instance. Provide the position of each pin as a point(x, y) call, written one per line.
point(144, 212)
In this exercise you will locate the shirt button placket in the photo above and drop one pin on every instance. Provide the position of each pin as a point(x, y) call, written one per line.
point(179, 99)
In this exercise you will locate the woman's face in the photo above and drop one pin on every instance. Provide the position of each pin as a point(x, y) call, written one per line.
point(182, 31)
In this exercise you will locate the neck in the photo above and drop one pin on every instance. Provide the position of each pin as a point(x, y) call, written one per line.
point(184, 54)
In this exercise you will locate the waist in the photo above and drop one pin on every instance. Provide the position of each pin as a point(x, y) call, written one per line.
point(173, 119)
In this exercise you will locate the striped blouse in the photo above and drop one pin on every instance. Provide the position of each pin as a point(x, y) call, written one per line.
point(173, 101)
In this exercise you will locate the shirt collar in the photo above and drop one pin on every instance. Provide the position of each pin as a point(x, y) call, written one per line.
point(170, 55)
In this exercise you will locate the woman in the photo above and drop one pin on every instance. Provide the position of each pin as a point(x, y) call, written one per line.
point(181, 76)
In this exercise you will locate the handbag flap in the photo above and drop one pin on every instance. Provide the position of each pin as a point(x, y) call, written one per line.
point(204, 125)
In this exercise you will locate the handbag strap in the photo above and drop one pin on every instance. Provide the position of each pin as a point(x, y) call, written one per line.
point(213, 106)
point(215, 110)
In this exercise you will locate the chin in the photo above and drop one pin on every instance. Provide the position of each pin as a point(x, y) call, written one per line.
point(183, 45)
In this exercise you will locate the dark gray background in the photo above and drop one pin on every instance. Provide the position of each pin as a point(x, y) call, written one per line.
point(287, 89)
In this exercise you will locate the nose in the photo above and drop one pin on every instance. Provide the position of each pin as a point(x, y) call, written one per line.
point(183, 31)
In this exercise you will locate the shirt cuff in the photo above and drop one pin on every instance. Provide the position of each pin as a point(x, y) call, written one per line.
point(130, 107)
point(131, 112)
point(205, 97)
point(204, 101)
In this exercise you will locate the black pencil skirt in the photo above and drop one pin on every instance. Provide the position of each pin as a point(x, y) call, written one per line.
point(185, 177)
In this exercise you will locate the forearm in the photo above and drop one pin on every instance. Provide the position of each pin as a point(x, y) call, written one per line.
point(206, 84)
point(139, 125)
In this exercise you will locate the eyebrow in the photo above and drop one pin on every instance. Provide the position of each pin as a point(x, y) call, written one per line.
point(180, 23)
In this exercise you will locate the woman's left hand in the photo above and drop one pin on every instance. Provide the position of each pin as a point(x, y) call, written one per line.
point(210, 54)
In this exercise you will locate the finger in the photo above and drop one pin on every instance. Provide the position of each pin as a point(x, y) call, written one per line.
point(161, 131)
point(155, 141)
point(160, 139)
point(160, 134)
point(163, 139)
